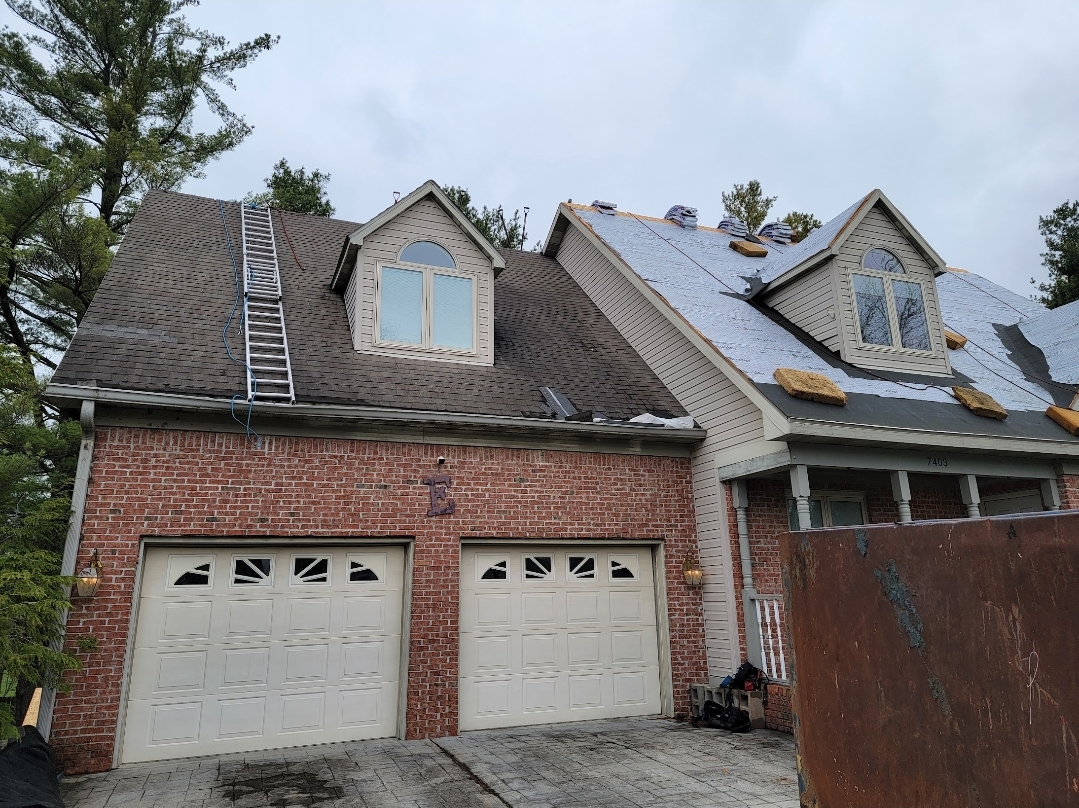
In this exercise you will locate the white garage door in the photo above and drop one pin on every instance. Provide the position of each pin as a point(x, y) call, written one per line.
point(556, 634)
point(240, 649)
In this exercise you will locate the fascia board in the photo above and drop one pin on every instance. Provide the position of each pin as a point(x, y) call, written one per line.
point(879, 434)
point(774, 419)
point(430, 188)
point(71, 394)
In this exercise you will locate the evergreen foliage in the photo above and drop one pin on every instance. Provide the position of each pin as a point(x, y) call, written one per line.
point(491, 222)
point(116, 95)
point(748, 203)
point(294, 190)
point(801, 223)
point(1060, 229)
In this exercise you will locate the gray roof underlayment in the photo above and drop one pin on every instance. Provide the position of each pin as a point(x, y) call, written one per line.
point(1020, 353)
point(156, 326)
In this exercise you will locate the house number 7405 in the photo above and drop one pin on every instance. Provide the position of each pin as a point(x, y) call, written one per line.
point(938, 461)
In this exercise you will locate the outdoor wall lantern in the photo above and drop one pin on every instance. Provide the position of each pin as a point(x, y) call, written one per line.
point(691, 569)
point(90, 578)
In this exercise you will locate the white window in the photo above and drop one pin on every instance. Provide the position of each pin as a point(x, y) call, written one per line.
point(424, 301)
point(891, 310)
point(830, 510)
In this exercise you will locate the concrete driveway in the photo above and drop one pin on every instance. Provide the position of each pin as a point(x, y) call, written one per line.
point(627, 762)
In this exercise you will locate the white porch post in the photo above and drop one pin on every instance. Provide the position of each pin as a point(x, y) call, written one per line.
point(968, 489)
point(800, 490)
point(901, 494)
point(1050, 495)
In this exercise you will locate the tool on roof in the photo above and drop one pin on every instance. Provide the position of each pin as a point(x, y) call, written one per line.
point(605, 207)
point(264, 316)
point(685, 216)
point(561, 408)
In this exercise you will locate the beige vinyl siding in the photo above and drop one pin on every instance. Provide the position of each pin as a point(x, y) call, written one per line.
point(730, 418)
point(877, 230)
point(351, 308)
point(809, 303)
point(425, 221)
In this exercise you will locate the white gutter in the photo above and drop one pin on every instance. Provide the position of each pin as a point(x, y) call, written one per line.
point(74, 537)
point(71, 393)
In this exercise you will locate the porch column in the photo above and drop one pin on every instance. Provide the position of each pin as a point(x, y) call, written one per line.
point(968, 490)
point(1050, 495)
point(800, 490)
point(901, 494)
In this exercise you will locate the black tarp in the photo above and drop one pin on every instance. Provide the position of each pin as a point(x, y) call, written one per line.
point(28, 775)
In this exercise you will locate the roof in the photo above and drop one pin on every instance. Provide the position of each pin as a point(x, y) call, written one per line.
point(712, 286)
point(156, 326)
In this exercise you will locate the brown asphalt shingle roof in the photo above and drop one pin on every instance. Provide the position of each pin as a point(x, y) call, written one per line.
point(156, 325)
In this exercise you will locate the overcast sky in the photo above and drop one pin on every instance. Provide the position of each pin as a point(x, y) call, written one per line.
point(965, 114)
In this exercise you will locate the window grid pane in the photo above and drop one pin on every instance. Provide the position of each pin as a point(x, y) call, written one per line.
point(845, 512)
point(872, 310)
point(910, 311)
point(401, 311)
point(452, 326)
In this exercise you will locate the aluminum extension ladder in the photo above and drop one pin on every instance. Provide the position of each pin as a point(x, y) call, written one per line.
point(264, 316)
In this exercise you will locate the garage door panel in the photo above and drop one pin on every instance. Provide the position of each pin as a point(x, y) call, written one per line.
point(566, 634)
point(308, 651)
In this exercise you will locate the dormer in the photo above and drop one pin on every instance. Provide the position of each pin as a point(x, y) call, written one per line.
point(864, 287)
point(418, 282)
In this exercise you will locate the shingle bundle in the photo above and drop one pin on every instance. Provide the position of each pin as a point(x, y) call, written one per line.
point(780, 232)
point(687, 217)
point(604, 207)
point(736, 227)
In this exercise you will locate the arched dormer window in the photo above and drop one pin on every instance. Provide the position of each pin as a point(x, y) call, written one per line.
point(424, 301)
point(888, 306)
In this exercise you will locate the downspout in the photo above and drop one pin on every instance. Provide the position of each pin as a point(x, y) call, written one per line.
point(71, 545)
point(754, 649)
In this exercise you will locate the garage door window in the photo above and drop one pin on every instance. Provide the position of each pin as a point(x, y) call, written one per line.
point(366, 569)
point(492, 568)
point(623, 567)
point(190, 571)
point(581, 567)
point(252, 571)
point(310, 571)
point(539, 568)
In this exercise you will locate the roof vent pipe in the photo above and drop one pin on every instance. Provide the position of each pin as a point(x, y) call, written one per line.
point(780, 232)
point(735, 227)
point(605, 207)
point(686, 217)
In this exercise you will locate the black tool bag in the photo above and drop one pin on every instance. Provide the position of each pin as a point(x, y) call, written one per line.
point(28, 775)
point(729, 717)
point(745, 671)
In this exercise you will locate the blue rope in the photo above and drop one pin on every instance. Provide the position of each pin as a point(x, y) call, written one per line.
point(257, 438)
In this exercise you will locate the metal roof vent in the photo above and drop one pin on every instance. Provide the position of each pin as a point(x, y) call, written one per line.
point(687, 217)
point(605, 207)
point(777, 231)
point(736, 227)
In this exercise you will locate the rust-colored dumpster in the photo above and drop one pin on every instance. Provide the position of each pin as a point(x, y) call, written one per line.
point(937, 663)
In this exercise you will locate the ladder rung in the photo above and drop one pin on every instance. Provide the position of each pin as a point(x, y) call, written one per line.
point(273, 381)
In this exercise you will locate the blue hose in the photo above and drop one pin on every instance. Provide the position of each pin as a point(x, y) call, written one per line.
point(252, 435)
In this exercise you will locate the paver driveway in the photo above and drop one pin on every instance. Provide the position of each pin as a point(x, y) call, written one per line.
point(625, 762)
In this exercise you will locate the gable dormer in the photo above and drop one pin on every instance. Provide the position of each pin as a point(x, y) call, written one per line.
point(418, 282)
point(869, 293)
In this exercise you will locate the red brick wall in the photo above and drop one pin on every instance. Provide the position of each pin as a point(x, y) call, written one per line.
point(1069, 491)
point(778, 713)
point(171, 483)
